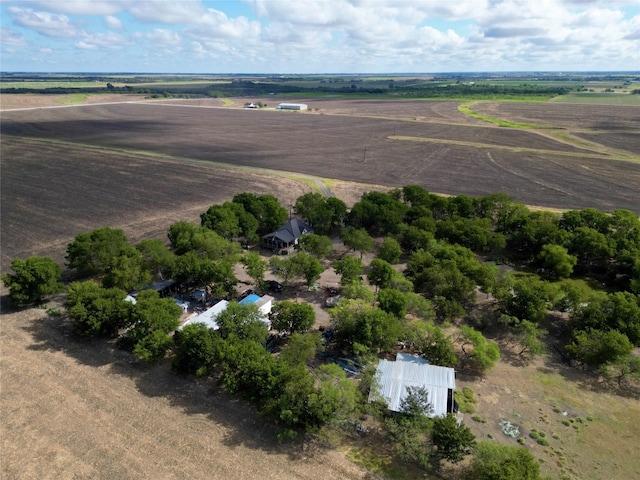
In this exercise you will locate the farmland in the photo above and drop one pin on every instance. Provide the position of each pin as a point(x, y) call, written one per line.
point(128, 163)
point(142, 166)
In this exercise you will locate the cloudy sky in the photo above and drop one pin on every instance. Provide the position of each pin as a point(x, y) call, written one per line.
point(318, 36)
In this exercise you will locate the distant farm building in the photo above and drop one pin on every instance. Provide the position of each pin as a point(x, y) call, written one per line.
point(287, 235)
point(292, 106)
point(393, 378)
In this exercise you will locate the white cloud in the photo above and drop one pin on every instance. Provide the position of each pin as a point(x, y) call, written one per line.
point(11, 38)
point(46, 23)
point(185, 12)
point(82, 7)
point(341, 35)
point(162, 37)
point(94, 41)
point(113, 22)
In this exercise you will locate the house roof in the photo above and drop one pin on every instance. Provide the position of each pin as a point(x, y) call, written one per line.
point(290, 231)
point(393, 378)
point(208, 317)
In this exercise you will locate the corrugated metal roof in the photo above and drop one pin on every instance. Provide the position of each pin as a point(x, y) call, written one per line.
point(393, 378)
point(208, 317)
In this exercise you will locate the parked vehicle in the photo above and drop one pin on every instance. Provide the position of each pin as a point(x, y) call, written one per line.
point(273, 285)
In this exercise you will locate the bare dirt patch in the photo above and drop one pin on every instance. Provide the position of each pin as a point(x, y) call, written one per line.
point(81, 409)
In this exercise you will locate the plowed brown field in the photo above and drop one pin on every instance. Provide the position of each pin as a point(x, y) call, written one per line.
point(80, 409)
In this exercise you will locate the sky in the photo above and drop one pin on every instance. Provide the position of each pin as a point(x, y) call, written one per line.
point(318, 36)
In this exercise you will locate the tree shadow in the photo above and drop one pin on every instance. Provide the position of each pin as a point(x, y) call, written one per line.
point(586, 378)
point(194, 396)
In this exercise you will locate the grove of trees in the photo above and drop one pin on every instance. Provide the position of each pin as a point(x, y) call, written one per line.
point(434, 257)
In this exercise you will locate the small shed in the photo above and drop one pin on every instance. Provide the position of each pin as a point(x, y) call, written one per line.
point(292, 106)
point(287, 235)
point(393, 378)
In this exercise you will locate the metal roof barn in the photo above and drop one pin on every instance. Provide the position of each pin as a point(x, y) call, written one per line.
point(292, 106)
point(393, 378)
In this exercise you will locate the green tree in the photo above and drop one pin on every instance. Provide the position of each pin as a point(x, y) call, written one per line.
point(266, 209)
point(381, 273)
point(349, 268)
point(592, 248)
point(408, 431)
point(597, 347)
point(622, 370)
point(526, 298)
point(478, 353)
point(379, 213)
point(360, 325)
point(290, 317)
point(393, 301)
point(414, 239)
point(301, 348)
point(453, 441)
point(358, 290)
point(357, 239)
point(325, 215)
point(152, 319)
point(197, 348)
point(157, 258)
point(188, 237)
point(32, 280)
point(430, 341)
point(556, 261)
point(92, 253)
point(221, 219)
point(528, 336)
point(273, 215)
point(493, 461)
point(243, 322)
point(390, 250)
point(193, 270)
point(95, 310)
point(336, 397)
point(299, 265)
point(308, 267)
point(255, 267)
point(153, 347)
point(127, 272)
point(619, 311)
point(317, 245)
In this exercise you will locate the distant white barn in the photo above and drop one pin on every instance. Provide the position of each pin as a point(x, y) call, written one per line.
point(393, 378)
point(292, 106)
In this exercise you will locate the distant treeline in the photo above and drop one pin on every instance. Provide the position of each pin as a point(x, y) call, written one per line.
point(246, 88)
